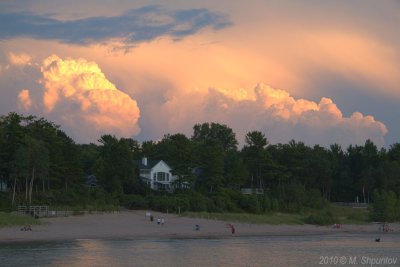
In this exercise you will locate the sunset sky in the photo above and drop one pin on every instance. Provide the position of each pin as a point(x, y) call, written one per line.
point(321, 72)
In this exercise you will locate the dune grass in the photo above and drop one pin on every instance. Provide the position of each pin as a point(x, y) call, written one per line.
point(349, 215)
point(273, 218)
point(9, 219)
point(343, 215)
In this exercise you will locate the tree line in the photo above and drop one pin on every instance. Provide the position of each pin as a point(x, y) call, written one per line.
point(41, 164)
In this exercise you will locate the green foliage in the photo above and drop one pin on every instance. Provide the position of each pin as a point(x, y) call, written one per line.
point(322, 217)
point(295, 197)
point(250, 203)
point(270, 218)
point(265, 203)
point(349, 215)
point(356, 218)
point(163, 203)
point(198, 202)
point(215, 134)
point(9, 219)
point(314, 199)
point(235, 171)
point(89, 155)
point(78, 199)
point(257, 159)
point(40, 164)
point(5, 202)
point(274, 204)
point(116, 168)
point(385, 207)
point(134, 202)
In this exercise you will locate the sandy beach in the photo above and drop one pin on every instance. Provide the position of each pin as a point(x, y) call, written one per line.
point(134, 224)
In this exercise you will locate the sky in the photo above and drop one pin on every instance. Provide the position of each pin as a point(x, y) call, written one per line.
point(320, 72)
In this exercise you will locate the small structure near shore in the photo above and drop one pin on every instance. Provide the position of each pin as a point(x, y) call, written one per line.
point(42, 211)
point(252, 191)
point(34, 211)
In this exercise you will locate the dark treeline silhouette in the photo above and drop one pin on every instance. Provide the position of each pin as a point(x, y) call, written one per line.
point(39, 163)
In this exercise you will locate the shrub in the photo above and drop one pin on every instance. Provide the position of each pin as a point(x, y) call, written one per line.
point(223, 202)
point(250, 203)
point(315, 200)
point(295, 197)
point(182, 203)
point(134, 202)
point(274, 204)
point(357, 217)
point(266, 204)
point(5, 202)
point(163, 203)
point(385, 207)
point(325, 217)
point(198, 202)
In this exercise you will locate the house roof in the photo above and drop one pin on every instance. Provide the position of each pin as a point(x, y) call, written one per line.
point(150, 164)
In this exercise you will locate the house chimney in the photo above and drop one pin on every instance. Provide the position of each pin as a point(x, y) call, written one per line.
point(144, 161)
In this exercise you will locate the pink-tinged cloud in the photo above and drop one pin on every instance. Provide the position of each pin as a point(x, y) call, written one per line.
point(77, 95)
point(19, 59)
point(24, 100)
point(273, 111)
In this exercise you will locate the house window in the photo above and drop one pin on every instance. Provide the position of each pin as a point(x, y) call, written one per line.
point(154, 175)
point(161, 176)
point(167, 176)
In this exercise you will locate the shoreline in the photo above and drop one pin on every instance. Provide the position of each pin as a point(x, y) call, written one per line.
point(134, 225)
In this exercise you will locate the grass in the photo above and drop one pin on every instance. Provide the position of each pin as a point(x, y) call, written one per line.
point(349, 215)
point(343, 215)
point(273, 218)
point(9, 219)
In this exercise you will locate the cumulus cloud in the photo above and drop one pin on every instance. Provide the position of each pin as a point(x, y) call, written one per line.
point(273, 111)
point(24, 100)
point(77, 95)
point(19, 59)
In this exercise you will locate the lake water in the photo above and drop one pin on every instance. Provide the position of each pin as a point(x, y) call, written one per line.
point(326, 250)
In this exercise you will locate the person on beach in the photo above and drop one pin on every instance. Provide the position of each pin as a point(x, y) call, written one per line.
point(158, 221)
point(162, 221)
point(151, 218)
point(229, 225)
point(26, 228)
point(337, 226)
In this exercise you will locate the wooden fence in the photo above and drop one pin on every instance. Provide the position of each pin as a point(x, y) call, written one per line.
point(44, 211)
point(352, 204)
point(34, 211)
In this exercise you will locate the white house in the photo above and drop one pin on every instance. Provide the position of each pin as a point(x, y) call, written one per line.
point(157, 174)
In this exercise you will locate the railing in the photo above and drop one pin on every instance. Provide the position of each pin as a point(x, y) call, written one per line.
point(146, 176)
point(43, 211)
point(34, 211)
point(352, 204)
point(252, 191)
